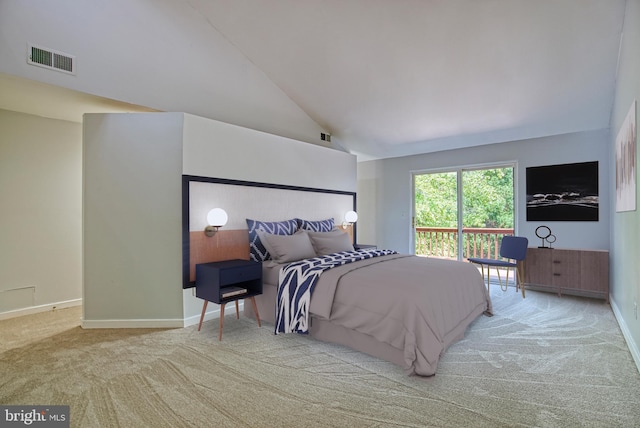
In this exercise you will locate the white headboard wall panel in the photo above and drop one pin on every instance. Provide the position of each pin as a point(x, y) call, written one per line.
point(261, 203)
point(242, 200)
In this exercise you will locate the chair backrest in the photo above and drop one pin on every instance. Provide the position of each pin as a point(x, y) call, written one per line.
point(514, 247)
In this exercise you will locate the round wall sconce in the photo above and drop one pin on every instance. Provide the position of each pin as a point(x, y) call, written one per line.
point(349, 218)
point(216, 218)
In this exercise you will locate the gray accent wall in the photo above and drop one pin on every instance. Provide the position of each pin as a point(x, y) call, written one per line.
point(132, 241)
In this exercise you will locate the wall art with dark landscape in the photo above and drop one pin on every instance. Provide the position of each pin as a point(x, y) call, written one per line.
point(566, 192)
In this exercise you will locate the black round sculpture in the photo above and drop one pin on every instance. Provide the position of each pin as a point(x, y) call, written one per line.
point(544, 233)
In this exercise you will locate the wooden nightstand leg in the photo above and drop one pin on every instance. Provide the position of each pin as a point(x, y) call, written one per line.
point(204, 309)
point(221, 320)
point(255, 309)
point(237, 311)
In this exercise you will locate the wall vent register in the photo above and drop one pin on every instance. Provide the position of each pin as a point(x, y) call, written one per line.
point(51, 59)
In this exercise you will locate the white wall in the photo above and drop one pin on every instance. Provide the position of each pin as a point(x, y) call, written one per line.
point(149, 53)
point(625, 226)
point(384, 188)
point(40, 219)
point(221, 150)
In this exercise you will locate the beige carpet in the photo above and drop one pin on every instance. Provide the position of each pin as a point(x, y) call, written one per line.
point(543, 361)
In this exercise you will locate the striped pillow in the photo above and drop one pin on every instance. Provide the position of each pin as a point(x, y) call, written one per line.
point(316, 226)
point(257, 251)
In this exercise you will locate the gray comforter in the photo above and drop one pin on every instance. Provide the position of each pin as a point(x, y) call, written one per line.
point(415, 304)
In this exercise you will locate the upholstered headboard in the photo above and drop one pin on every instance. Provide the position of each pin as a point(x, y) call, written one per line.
point(244, 200)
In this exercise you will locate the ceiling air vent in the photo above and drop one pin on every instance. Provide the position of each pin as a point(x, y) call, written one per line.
point(49, 58)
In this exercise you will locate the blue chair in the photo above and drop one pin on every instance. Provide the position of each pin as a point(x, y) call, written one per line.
point(513, 250)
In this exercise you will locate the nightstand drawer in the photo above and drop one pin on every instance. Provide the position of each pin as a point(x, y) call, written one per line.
point(240, 274)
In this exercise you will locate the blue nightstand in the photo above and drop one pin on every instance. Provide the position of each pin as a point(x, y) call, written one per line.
point(228, 281)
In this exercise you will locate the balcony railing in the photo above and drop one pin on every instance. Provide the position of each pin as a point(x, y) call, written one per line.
point(443, 242)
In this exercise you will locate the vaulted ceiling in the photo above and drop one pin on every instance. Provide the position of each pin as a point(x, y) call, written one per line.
point(390, 78)
point(398, 77)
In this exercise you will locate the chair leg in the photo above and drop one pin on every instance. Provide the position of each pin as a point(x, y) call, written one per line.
point(483, 277)
point(503, 286)
point(487, 278)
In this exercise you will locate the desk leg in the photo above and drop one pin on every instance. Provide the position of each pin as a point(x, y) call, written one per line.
point(237, 311)
point(221, 320)
point(255, 309)
point(204, 309)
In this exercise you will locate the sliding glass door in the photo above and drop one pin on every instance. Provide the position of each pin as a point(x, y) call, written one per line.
point(463, 212)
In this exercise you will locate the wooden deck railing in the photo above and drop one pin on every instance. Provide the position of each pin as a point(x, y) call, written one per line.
point(443, 242)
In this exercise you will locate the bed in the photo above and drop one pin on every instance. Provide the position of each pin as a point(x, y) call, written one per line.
point(401, 308)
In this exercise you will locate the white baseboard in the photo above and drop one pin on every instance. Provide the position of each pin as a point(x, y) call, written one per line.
point(160, 323)
point(41, 308)
point(133, 323)
point(209, 315)
point(213, 314)
point(633, 346)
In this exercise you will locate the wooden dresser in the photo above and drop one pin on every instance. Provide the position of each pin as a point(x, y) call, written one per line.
point(577, 272)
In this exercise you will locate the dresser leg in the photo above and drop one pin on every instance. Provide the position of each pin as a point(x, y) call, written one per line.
point(204, 309)
point(520, 275)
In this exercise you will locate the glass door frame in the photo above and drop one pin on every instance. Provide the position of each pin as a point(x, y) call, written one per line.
point(459, 170)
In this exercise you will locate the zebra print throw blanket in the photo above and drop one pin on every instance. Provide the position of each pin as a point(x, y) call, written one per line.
point(296, 283)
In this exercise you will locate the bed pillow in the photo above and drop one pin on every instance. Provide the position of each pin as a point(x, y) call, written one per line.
point(332, 232)
point(287, 248)
point(257, 251)
point(330, 242)
point(316, 226)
